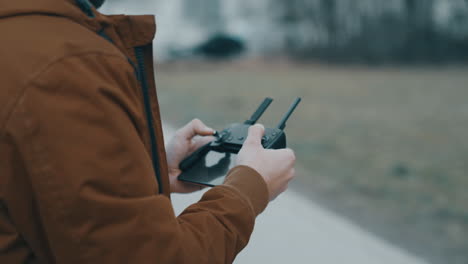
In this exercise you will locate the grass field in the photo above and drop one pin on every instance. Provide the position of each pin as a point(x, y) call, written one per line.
point(386, 147)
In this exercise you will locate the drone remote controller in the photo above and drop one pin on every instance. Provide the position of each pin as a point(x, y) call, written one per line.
point(231, 139)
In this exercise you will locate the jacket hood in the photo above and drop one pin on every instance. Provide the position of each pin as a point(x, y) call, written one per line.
point(63, 8)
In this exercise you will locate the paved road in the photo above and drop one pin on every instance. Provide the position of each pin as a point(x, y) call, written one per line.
point(295, 230)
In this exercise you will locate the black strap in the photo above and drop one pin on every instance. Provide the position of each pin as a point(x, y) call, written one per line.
point(86, 6)
point(105, 36)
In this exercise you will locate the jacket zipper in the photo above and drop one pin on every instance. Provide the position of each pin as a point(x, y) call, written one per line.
point(140, 72)
point(142, 78)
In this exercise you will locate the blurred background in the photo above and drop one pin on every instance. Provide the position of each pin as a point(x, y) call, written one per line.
point(381, 133)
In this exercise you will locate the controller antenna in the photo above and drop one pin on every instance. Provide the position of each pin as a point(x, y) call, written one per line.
point(282, 123)
point(259, 112)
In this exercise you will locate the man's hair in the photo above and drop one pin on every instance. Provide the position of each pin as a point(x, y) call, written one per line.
point(97, 3)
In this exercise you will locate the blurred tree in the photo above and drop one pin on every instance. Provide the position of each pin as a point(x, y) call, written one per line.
point(330, 21)
point(374, 31)
point(207, 13)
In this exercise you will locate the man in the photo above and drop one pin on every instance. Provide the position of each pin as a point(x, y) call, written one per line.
point(84, 176)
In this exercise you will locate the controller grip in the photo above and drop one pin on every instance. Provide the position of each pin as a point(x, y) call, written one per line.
point(188, 162)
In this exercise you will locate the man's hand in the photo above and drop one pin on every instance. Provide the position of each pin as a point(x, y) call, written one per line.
point(185, 141)
point(275, 166)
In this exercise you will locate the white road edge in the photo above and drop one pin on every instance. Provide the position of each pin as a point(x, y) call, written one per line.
point(295, 230)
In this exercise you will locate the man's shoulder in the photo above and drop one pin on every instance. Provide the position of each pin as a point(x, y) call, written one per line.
point(36, 41)
point(33, 44)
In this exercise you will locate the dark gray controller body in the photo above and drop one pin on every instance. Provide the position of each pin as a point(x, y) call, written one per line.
point(235, 135)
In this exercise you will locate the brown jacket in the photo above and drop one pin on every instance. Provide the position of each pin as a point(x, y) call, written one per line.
point(77, 156)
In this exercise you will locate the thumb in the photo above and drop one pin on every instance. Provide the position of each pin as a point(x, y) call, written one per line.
point(195, 127)
point(256, 133)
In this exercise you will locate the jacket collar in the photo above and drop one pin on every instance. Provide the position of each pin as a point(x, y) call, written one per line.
point(61, 8)
point(132, 30)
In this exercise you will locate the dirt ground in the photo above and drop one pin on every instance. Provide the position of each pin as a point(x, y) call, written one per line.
point(385, 147)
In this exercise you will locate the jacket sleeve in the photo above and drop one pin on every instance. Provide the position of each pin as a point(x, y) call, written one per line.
point(77, 127)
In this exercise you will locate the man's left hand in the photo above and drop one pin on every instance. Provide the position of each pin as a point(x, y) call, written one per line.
point(185, 141)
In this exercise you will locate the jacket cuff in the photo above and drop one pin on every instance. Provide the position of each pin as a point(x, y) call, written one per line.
point(251, 185)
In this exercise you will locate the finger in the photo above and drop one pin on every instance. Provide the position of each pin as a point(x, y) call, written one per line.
point(285, 187)
point(288, 154)
point(291, 174)
point(195, 127)
point(256, 133)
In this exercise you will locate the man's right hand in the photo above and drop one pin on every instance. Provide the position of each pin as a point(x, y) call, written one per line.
point(275, 166)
